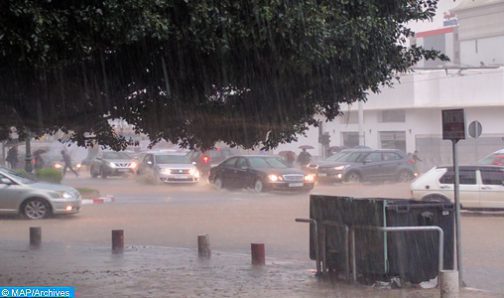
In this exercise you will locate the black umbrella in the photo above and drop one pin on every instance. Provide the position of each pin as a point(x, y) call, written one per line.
point(306, 147)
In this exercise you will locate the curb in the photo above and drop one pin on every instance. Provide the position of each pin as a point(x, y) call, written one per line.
point(98, 200)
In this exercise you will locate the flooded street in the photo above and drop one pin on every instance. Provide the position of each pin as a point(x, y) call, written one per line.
point(161, 224)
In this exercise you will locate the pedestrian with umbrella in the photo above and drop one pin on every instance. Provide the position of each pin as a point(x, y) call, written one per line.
point(38, 161)
point(304, 157)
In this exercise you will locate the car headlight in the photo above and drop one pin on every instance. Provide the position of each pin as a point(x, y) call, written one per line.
point(133, 165)
point(78, 166)
point(58, 166)
point(66, 195)
point(194, 172)
point(61, 194)
point(340, 167)
point(309, 178)
point(273, 178)
point(112, 165)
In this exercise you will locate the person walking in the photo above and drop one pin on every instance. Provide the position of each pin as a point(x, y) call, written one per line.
point(67, 163)
point(12, 157)
point(416, 159)
point(38, 161)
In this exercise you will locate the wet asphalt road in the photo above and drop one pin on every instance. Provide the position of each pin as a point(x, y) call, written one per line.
point(173, 216)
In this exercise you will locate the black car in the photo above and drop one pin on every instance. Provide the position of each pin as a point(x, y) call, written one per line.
point(260, 173)
point(355, 165)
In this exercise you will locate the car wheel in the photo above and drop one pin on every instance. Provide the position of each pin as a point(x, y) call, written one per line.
point(353, 177)
point(258, 186)
point(436, 198)
point(103, 173)
point(404, 176)
point(218, 183)
point(35, 209)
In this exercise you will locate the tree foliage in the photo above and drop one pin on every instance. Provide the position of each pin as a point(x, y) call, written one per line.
point(246, 73)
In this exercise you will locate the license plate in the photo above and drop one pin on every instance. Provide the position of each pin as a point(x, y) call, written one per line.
point(322, 174)
point(123, 170)
point(295, 184)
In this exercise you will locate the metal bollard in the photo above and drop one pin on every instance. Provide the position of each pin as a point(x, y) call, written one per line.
point(117, 241)
point(449, 283)
point(258, 254)
point(35, 237)
point(204, 246)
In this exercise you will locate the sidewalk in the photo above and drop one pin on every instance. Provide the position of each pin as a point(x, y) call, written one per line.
point(147, 271)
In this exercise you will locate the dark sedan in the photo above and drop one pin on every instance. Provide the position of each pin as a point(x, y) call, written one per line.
point(260, 173)
point(355, 165)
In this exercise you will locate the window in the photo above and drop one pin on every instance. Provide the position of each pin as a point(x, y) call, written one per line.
point(230, 162)
point(350, 139)
point(393, 140)
point(373, 157)
point(465, 177)
point(115, 155)
point(172, 159)
point(242, 163)
point(393, 116)
point(492, 177)
point(391, 156)
point(349, 118)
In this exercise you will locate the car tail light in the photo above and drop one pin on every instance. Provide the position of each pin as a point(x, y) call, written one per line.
point(411, 161)
point(206, 159)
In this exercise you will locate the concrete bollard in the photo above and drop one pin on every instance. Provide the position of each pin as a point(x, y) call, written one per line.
point(35, 237)
point(204, 246)
point(117, 241)
point(449, 283)
point(258, 254)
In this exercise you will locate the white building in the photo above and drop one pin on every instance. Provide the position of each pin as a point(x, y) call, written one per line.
point(408, 116)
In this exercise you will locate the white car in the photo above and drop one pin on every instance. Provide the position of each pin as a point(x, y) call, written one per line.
point(481, 187)
point(169, 167)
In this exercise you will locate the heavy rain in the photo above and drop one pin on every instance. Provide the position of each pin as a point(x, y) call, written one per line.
point(162, 148)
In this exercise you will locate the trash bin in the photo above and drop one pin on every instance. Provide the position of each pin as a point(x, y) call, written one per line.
point(414, 255)
point(411, 255)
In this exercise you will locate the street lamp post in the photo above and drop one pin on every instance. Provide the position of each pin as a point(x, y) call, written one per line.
point(28, 157)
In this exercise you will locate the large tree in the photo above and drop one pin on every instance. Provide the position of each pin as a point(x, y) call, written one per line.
point(246, 72)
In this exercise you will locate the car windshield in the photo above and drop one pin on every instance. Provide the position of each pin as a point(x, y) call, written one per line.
point(172, 159)
point(116, 155)
point(267, 163)
point(19, 176)
point(492, 159)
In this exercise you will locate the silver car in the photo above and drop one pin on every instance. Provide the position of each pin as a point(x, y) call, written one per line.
point(169, 167)
point(33, 199)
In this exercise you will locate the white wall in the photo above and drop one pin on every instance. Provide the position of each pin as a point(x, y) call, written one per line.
point(488, 50)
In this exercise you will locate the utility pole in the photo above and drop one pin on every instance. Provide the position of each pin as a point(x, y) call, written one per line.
point(362, 140)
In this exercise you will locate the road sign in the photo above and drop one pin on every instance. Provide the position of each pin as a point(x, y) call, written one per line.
point(475, 129)
point(454, 130)
point(453, 124)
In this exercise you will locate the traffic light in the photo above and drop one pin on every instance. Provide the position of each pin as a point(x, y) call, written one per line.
point(325, 139)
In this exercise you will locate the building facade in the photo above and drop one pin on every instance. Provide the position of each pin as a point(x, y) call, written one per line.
point(408, 115)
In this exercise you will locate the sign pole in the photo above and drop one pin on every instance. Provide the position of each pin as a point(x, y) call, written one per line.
point(454, 129)
point(456, 196)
